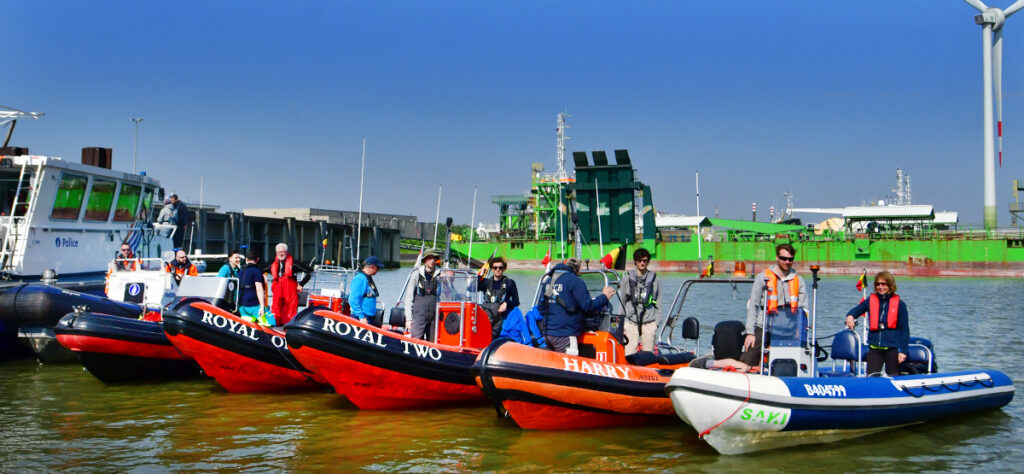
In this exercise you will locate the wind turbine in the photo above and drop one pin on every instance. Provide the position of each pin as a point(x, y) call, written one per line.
point(991, 21)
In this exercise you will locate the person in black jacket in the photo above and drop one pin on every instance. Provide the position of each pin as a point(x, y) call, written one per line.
point(183, 217)
point(500, 294)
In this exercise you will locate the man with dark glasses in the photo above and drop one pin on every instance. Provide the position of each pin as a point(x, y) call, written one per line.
point(777, 287)
point(639, 297)
point(500, 294)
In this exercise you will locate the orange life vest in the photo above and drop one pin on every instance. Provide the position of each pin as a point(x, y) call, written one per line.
point(181, 271)
point(771, 304)
point(891, 316)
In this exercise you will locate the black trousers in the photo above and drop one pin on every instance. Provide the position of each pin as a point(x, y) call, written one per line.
point(890, 356)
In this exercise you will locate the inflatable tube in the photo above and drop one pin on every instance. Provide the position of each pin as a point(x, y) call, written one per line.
point(242, 356)
point(546, 390)
point(118, 349)
point(38, 305)
point(739, 413)
point(379, 369)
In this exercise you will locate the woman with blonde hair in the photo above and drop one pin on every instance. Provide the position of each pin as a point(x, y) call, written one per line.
point(888, 325)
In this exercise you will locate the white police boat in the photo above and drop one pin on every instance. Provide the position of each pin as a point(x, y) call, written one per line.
point(794, 401)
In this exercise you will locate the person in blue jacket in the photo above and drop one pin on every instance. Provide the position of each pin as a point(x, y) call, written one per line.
point(564, 303)
point(888, 325)
point(234, 266)
point(362, 293)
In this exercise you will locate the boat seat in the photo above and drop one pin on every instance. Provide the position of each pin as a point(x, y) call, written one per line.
point(844, 349)
point(642, 358)
point(397, 317)
point(691, 331)
point(727, 341)
point(920, 358)
point(648, 358)
point(677, 358)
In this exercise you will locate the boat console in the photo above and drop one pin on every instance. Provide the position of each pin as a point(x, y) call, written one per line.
point(460, 320)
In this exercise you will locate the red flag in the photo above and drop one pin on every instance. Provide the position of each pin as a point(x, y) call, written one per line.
point(547, 257)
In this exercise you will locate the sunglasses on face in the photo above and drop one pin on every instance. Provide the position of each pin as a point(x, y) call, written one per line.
point(785, 259)
point(497, 267)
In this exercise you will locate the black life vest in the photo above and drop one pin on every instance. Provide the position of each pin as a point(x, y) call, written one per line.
point(426, 285)
point(646, 292)
point(494, 293)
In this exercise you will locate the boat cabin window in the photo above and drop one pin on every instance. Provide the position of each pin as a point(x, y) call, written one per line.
point(458, 288)
point(127, 202)
point(8, 189)
point(147, 205)
point(101, 196)
point(70, 194)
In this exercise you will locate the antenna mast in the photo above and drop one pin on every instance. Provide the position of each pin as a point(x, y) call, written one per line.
point(561, 175)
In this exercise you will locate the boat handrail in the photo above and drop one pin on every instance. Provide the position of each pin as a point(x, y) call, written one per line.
point(611, 278)
point(675, 309)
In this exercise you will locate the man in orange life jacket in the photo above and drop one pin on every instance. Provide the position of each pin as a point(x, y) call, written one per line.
point(888, 325)
point(181, 266)
point(125, 259)
point(784, 287)
point(286, 288)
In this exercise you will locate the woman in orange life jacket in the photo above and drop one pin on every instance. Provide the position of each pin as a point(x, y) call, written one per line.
point(888, 325)
point(181, 266)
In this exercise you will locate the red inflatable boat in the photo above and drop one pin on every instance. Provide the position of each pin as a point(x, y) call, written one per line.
point(242, 356)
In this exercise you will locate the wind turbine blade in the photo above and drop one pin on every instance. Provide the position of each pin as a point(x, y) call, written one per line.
point(1010, 10)
point(997, 85)
point(977, 4)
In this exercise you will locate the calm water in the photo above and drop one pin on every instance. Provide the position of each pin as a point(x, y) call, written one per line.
point(61, 418)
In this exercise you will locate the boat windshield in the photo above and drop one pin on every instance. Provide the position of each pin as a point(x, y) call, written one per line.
point(457, 287)
point(330, 281)
point(788, 328)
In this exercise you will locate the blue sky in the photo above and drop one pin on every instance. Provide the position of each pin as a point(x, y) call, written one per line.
point(269, 101)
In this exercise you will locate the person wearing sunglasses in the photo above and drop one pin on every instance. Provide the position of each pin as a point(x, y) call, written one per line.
point(500, 294)
point(888, 326)
point(777, 287)
point(640, 301)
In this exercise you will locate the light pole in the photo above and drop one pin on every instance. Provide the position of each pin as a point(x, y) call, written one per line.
point(135, 153)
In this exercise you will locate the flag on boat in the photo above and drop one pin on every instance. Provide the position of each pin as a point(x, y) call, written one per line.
point(614, 258)
point(547, 257)
point(486, 267)
point(862, 282)
point(710, 269)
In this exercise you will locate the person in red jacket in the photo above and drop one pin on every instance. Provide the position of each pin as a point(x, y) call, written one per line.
point(286, 287)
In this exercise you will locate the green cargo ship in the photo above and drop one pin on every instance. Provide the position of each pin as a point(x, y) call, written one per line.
point(605, 207)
